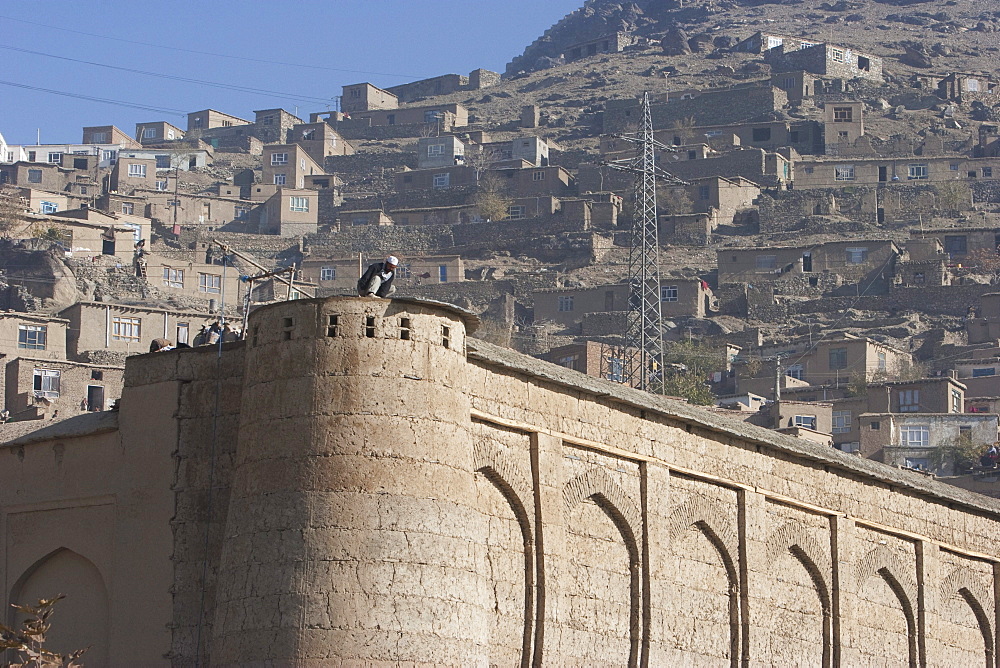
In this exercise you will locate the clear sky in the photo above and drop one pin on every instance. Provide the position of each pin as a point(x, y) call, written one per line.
point(292, 53)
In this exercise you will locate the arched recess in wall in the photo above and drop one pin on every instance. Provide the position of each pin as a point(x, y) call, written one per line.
point(515, 487)
point(792, 539)
point(883, 563)
point(79, 620)
point(720, 533)
point(964, 584)
point(597, 485)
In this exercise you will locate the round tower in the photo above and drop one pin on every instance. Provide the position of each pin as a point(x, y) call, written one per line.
point(352, 530)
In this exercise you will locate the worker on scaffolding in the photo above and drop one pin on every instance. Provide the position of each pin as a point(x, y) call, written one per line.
point(139, 259)
point(377, 279)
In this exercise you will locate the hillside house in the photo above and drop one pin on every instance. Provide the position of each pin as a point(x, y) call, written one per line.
point(679, 297)
point(157, 132)
point(319, 140)
point(831, 172)
point(207, 119)
point(272, 126)
point(822, 266)
point(830, 60)
point(366, 97)
point(289, 212)
point(911, 440)
point(288, 165)
point(34, 388)
point(107, 134)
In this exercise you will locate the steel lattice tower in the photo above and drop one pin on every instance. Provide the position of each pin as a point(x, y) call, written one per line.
point(643, 337)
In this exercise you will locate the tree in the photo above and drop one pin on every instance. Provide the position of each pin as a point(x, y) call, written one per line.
point(690, 386)
point(28, 641)
point(12, 211)
point(491, 200)
point(954, 195)
point(481, 159)
point(961, 453)
point(675, 201)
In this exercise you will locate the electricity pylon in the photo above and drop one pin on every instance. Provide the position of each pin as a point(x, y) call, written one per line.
point(643, 338)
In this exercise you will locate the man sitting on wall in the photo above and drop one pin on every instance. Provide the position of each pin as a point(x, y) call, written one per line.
point(377, 279)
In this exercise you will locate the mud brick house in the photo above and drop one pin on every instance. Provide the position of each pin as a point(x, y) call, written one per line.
point(366, 97)
point(319, 140)
point(289, 212)
point(207, 119)
point(679, 297)
point(843, 124)
point(107, 134)
point(821, 266)
point(806, 137)
point(964, 87)
point(38, 336)
point(157, 132)
point(592, 358)
point(981, 376)
point(184, 159)
point(959, 242)
point(524, 181)
point(443, 85)
point(34, 388)
point(707, 107)
point(440, 151)
point(131, 173)
point(911, 440)
point(272, 126)
point(611, 43)
point(129, 329)
point(53, 153)
point(288, 165)
point(829, 60)
point(811, 420)
point(831, 172)
point(517, 482)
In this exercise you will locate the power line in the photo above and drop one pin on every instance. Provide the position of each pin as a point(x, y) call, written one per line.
point(78, 96)
point(210, 53)
point(214, 84)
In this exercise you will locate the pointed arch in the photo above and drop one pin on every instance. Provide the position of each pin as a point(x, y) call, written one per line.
point(624, 513)
point(514, 485)
point(64, 571)
point(793, 539)
point(886, 564)
point(720, 531)
point(963, 582)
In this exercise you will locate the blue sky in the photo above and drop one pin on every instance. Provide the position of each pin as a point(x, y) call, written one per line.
point(386, 42)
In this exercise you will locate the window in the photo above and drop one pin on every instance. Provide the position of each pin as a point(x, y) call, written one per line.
point(761, 134)
point(435, 149)
point(31, 156)
point(919, 277)
point(668, 293)
point(79, 163)
point(704, 192)
point(538, 176)
point(163, 162)
point(442, 180)
point(298, 203)
point(125, 329)
point(102, 137)
point(808, 421)
point(49, 207)
point(616, 369)
point(327, 273)
point(32, 337)
point(136, 171)
point(841, 422)
point(844, 173)
point(881, 361)
point(987, 172)
point(570, 362)
point(773, 42)
point(147, 133)
point(914, 436)
point(953, 166)
point(909, 401)
point(279, 158)
point(55, 157)
point(279, 179)
point(788, 84)
point(956, 401)
point(795, 371)
point(837, 55)
point(210, 283)
point(914, 172)
point(431, 115)
point(173, 278)
point(566, 304)
point(390, 119)
point(268, 120)
point(838, 358)
point(128, 208)
point(956, 244)
point(46, 382)
point(983, 372)
point(241, 212)
point(843, 115)
point(34, 176)
point(856, 255)
point(110, 156)
point(309, 134)
point(766, 262)
point(516, 212)
point(356, 92)
point(83, 190)
point(443, 273)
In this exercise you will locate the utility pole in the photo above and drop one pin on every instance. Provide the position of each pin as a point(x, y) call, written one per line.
point(643, 336)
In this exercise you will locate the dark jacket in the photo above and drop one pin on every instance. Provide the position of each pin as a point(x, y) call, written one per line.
point(366, 279)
